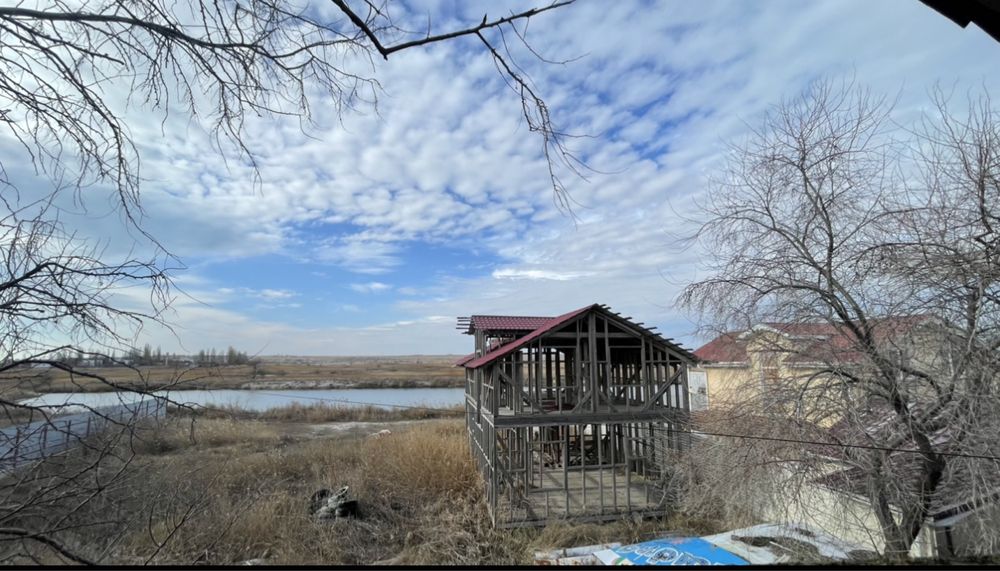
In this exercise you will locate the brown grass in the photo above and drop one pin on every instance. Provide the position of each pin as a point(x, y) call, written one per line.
point(320, 412)
point(417, 489)
point(240, 489)
point(362, 373)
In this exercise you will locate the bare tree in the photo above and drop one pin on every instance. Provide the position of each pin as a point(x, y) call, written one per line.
point(61, 64)
point(887, 237)
point(223, 60)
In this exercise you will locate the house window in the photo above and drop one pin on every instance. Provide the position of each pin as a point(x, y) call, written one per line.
point(769, 377)
point(698, 385)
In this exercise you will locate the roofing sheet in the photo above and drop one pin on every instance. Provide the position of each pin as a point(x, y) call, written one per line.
point(507, 322)
point(551, 324)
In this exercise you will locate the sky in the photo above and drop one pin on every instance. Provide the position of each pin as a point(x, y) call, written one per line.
point(369, 233)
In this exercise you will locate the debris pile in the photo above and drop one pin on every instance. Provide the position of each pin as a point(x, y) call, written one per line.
point(326, 505)
point(573, 555)
point(766, 544)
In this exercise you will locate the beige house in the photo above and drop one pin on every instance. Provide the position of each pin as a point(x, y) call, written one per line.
point(735, 366)
point(788, 359)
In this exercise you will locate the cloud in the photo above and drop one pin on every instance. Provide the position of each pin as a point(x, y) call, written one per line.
point(275, 294)
point(448, 162)
point(371, 287)
point(531, 274)
point(359, 255)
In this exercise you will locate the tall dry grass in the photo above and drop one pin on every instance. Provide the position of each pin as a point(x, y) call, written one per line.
point(418, 490)
point(222, 491)
point(323, 412)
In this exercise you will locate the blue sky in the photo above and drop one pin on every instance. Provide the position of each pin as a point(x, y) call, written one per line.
point(371, 232)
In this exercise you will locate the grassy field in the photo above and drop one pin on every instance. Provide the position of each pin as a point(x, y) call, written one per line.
point(283, 372)
point(223, 491)
point(316, 413)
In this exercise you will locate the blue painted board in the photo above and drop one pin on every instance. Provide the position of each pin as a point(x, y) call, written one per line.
point(673, 551)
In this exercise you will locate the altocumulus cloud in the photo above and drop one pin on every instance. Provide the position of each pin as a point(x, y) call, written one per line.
point(446, 164)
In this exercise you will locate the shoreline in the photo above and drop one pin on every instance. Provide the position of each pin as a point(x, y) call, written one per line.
point(249, 385)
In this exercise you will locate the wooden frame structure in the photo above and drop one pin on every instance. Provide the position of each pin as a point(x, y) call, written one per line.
point(572, 417)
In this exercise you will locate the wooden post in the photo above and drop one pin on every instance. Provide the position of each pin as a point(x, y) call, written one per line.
point(598, 428)
point(494, 381)
point(548, 372)
point(578, 367)
point(493, 472)
point(527, 459)
point(643, 372)
point(582, 443)
point(518, 383)
point(539, 382)
point(565, 431)
point(560, 389)
point(685, 435)
point(613, 439)
point(607, 364)
point(628, 467)
point(592, 349)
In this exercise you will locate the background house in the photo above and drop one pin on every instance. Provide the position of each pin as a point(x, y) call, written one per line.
point(784, 361)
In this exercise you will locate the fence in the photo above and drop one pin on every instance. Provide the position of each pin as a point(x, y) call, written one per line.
point(23, 445)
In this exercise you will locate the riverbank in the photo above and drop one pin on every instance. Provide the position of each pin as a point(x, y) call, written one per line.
point(326, 413)
point(223, 491)
point(354, 373)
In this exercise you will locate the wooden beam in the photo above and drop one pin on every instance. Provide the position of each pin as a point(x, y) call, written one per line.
point(524, 396)
point(663, 388)
point(578, 367)
point(592, 343)
point(566, 419)
point(571, 336)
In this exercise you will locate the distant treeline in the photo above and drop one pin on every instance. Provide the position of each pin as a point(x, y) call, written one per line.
point(147, 356)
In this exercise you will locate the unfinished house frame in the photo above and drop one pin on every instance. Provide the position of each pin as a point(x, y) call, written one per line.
point(573, 417)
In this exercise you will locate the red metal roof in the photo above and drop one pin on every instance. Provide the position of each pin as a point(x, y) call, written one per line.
point(507, 322)
point(725, 348)
point(550, 324)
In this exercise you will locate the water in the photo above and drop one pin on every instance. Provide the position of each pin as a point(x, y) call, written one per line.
point(261, 400)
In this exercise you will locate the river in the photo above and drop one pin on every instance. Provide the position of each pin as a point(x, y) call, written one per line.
point(261, 400)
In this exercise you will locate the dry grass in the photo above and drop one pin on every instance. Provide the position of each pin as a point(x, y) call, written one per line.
point(362, 373)
point(417, 489)
point(12, 416)
point(320, 412)
point(193, 434)
point(222, 491)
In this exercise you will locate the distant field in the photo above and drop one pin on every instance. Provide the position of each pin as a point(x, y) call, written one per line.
point(273, 372)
